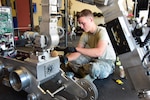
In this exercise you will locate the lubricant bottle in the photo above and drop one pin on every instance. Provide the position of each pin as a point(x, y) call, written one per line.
point(122, 72)
point(118, 62)
point(119, 68)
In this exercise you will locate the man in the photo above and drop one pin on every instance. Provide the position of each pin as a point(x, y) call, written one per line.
point(94, 56)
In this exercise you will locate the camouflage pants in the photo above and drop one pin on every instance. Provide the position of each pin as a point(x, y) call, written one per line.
point(95, 68)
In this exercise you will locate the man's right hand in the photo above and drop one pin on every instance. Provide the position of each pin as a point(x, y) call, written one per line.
point(70, 50)
point(63, 59)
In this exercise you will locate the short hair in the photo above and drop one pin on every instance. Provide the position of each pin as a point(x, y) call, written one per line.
point(84, 13)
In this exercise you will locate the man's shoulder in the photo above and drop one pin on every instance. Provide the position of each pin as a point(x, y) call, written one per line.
point(101, 27)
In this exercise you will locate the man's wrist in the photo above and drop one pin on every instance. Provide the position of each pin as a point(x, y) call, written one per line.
point(63, 59)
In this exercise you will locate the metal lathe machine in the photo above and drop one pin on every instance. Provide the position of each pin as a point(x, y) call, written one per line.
point(37, 72)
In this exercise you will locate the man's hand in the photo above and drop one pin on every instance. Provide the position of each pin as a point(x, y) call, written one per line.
point(70, 50)
point(63, 59)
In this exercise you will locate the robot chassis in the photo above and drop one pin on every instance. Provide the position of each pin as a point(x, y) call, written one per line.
point(39, 74)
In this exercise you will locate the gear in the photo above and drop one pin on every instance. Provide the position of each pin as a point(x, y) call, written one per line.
point(90, 88)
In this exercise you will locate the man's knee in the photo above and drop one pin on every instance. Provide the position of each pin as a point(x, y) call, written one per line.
point(101, 71)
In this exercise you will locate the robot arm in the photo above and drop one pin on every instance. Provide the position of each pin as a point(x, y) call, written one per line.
point(101, 2)
point(48, 25)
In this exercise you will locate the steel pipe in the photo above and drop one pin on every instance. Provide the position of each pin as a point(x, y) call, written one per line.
point(19, 79)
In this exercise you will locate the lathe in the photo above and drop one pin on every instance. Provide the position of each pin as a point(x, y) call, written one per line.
point(37, 72)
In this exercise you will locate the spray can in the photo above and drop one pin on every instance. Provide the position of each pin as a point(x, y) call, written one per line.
point(122, 72)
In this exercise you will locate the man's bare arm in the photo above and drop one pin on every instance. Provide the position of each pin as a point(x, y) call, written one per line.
point(93, 52)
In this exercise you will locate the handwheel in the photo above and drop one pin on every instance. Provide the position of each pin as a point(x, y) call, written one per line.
point(92, 92)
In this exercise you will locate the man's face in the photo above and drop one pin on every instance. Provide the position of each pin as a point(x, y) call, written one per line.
point(85, 23)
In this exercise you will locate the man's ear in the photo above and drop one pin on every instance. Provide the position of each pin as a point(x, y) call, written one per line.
point(91, 19)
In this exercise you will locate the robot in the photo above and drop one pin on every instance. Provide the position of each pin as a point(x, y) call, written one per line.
point(37, 72)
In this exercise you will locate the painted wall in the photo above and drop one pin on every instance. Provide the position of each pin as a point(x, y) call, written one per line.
point(0, 3)
point(13, 8)
point(37, 14)
point(76, 6)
